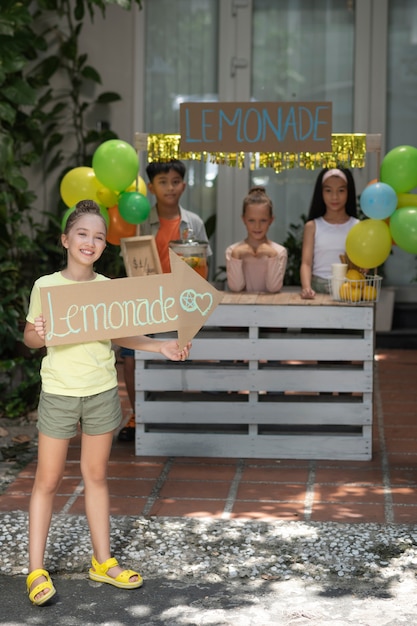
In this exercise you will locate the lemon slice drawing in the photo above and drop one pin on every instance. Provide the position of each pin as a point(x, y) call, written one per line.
point(188, 301)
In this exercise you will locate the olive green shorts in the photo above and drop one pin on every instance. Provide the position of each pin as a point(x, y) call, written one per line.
point(58, 416)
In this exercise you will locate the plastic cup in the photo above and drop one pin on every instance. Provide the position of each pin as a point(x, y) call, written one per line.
point(338, 275)
point(339, 270)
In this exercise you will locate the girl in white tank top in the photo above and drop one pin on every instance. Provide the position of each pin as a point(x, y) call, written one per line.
point(332, 215)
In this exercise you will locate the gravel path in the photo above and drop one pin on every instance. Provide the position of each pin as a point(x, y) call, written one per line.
point(364, 556)
point(234, 572)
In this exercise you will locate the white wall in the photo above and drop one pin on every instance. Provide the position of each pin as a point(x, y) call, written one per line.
point(110, 46)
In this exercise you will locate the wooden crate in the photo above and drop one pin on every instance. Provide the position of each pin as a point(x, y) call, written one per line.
point(268, 377)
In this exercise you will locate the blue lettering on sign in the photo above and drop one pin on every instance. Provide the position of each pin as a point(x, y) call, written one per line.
point(205, 124)
point(257, 123)
point(318, 123)
point(308, 126)
point(187, 128)
point(268, 123)
point(236, 120)
point(290, 122)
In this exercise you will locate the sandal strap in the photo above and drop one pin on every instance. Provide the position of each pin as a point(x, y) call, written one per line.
point(126, 575)
point(36, 574)
point(102, 568)
point(47, 584)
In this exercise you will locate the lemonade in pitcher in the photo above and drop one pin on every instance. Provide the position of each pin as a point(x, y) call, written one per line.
point(192, 252)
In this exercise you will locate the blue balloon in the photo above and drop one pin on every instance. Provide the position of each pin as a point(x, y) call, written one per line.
point(378, 201)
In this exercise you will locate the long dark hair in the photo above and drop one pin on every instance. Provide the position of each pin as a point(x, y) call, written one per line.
point(317, 206)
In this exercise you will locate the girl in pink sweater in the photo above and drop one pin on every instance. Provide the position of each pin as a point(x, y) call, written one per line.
point(256, 264)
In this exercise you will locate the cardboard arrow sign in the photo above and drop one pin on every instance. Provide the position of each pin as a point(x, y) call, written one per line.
point(127, 307)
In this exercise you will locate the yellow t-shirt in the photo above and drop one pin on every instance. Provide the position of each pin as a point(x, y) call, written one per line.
point(81, 369)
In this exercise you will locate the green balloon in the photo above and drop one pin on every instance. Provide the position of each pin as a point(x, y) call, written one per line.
point(403, 227)
point(134, 207)
point(116, 164)
point(399, 168)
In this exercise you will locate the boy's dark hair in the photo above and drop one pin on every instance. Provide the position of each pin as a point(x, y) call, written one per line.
point(156, 167)
point(317, 206)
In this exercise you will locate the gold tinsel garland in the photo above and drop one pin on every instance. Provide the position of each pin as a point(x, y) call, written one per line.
point(348, 150)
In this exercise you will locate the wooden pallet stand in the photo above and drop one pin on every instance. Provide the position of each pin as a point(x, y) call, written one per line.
point(269, 376)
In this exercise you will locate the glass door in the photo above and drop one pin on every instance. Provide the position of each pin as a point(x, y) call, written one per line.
point(237, 50)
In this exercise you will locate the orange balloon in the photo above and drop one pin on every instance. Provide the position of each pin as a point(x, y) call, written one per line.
point(118, 227)
point(372, 182)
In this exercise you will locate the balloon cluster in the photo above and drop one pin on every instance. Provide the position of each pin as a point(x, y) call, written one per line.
point(391, 209)
point(113, 182)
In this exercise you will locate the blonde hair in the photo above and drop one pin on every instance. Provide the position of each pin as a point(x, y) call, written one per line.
point(257, 195)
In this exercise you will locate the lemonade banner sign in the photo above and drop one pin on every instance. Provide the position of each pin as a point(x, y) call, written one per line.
point(127, 307)
point(256, 127)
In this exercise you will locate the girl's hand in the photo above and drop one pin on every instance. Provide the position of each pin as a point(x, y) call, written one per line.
point(242, 251)
point(40, 326)
point(265, 249)
point(308, 293)
point(171, 350)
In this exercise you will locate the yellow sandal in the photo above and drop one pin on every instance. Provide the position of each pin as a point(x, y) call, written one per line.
point(47, 584)
point(98, 573)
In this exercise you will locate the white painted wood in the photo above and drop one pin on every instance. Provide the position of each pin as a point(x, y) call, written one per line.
point(223, 347)
point(220, 379)
point(342, 317)
point(250, 390)
point(241, 446)
point(343, 414)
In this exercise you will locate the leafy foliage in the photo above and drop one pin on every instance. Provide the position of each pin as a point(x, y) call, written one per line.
point(39, 49)
point(294, 243)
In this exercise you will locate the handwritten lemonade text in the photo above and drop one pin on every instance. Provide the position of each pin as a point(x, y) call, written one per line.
point(115, 315)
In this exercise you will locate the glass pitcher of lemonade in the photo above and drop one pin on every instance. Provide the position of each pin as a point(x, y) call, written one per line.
point(192, 252)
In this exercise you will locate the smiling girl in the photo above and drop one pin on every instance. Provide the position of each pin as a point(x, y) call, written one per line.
point(79, 389)
point(332, 215)
point(256, 264)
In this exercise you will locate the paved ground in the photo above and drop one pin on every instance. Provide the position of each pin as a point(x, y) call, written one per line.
point(173, 597)
point(164, 602)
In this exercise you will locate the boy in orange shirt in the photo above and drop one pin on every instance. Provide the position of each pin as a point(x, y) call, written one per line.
point(167, 221)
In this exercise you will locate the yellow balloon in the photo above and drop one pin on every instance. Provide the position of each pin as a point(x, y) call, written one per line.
point(138, 185)
point(78, 184)
point(406, 200)
point(107, 197)
point(368, 243)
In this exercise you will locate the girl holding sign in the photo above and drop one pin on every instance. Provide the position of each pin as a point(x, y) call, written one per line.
point(79, 387)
